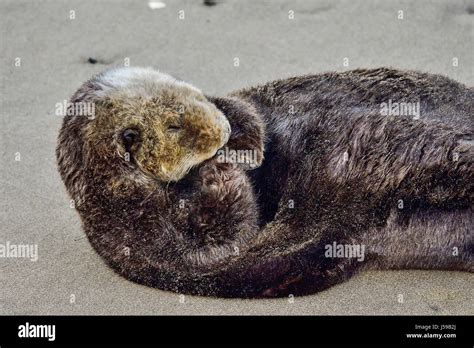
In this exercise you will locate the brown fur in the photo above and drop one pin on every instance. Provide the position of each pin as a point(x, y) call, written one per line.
point(218, 229)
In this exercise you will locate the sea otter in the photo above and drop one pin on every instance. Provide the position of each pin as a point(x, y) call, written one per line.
point(337, 183)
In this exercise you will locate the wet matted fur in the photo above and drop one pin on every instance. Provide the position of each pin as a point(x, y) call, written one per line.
point(330, 167)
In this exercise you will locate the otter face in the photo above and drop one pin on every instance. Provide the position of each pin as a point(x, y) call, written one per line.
point(150, 123)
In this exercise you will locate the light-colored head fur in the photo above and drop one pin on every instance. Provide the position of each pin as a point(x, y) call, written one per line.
point(173, 127)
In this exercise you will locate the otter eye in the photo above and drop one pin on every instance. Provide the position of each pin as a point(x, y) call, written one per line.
point(130, 137)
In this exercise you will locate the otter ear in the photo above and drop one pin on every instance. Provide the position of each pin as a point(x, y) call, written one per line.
point(247, 130)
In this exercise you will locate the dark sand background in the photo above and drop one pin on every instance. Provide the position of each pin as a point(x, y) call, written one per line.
point(54, 50)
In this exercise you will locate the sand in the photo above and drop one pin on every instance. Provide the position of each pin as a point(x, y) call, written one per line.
point(68, 277)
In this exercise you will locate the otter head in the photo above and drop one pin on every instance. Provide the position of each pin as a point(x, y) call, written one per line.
point(146, 127)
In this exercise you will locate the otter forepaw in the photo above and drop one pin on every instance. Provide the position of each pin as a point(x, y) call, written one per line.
point(245, 146)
